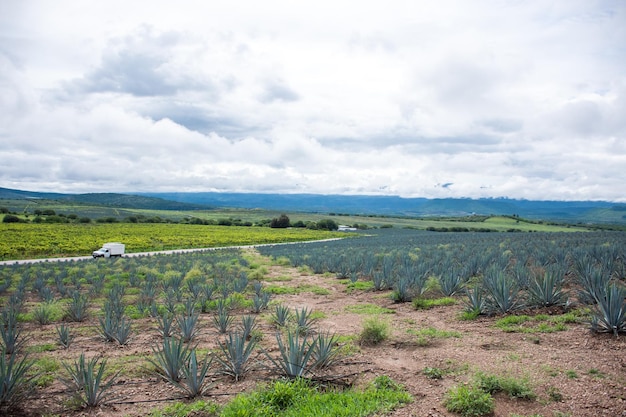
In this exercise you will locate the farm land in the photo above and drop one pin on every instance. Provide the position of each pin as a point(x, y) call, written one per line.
point(521, 321)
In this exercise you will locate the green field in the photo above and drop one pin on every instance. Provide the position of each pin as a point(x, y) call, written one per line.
point(29, 240)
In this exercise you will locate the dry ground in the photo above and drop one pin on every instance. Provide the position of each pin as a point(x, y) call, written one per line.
point(573, 372)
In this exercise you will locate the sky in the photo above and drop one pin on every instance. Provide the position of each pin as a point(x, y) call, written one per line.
point(522, 99)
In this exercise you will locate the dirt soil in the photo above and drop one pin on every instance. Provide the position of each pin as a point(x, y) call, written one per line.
point(573, 372)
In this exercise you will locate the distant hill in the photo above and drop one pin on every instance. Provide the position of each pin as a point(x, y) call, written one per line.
point(104, 199)
point(567, 211)
point(570, 211)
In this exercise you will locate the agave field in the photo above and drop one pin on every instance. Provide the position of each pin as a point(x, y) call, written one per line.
point(468, 323)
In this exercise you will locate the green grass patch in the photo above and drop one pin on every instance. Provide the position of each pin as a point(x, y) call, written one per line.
point(44, 370)
point(358, 286)
point(541, 323)
point(279, 278)
point(44, 347)
point(368, 309)
point(469, 401)
point(303, 399)
point(427, 303)
point(375, 330)
point(427, 336)
point(513, 386)
point(196, 408)
point(285, 289)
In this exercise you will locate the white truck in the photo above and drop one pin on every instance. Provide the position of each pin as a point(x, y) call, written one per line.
point(109, 249)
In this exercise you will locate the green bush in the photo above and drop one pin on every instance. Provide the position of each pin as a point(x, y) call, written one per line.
point(469, 401)
point(374, 331)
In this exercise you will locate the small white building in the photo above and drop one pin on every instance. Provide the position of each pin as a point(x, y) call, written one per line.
point(344, 228)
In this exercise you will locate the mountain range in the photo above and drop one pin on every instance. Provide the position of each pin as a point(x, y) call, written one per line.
point(568, 211)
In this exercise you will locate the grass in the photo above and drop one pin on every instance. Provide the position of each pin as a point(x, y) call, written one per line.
point(513, 386)
point(426, 336)
point(535, 324)
point(283, 290)
point(359, 286)
point(469, 401)
point(43, 371)
point(179, 409)
point(368, 309)
point(375, 330)
point(301, 398)
point(426, 303)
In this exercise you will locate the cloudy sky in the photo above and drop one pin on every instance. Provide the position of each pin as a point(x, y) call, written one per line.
point(515, 98)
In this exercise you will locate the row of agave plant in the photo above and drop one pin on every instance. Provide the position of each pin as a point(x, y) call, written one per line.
point(496, 273)
point(176, 310)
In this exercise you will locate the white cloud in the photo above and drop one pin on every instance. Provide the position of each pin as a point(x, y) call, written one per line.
point(496, 98)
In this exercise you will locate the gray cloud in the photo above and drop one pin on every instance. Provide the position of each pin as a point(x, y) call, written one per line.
point(517, 99)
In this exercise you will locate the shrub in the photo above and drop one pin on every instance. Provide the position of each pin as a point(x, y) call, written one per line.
point(469, 401)
point(514, 387)
point(374, 331)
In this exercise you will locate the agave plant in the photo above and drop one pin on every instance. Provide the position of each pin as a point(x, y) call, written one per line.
point(610, 312)
point(281, 315)
point(402, 290)
point(248, 325)
point(476, 302)
point(325, 350)
point(236, 355)
point(260, 301)
point(295, 355)
point(171, 359)
point(304, 322)
point(222, 319)
point(11, 330)
point(15, 382)
point(77, 308)
point(503, 293)
point(123, 331)
point(108, 326)
point(194, 381)
point(88, 381)
point(451, 282)
point(547, 290)
point(187, 325)
point(165, 322)
point(64, 336)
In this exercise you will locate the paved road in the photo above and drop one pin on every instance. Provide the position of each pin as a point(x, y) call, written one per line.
point(163, 252)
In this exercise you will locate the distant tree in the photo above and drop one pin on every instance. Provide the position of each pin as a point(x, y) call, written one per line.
point(4, 210)
point(48, 212)
point(10, 218)
point(299, 223)
point(84, 220)
point(327, 224)
point(280, 222)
